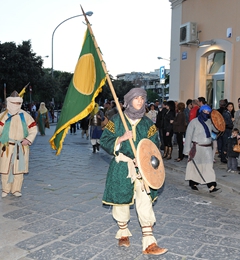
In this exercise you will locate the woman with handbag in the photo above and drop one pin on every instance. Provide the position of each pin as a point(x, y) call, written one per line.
point(233, 151)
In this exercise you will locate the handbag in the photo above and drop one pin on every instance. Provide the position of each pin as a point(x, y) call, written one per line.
point(236, 148)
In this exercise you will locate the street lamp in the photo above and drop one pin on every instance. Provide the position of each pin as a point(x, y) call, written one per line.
point(30, 94)
point(87, 13)
point(161, 58)
point(44, 58)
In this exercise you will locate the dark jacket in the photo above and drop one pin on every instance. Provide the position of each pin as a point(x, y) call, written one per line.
point(228, 119)
point(179, 124)
point(221, 110)
point(160, 116)
point(169, 115)
point(230, 144)
point(187, 113)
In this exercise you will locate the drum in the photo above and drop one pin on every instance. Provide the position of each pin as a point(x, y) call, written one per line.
point(218, 122)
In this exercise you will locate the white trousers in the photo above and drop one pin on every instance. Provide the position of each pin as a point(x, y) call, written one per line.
point(13, 187)
point(95, 141)
point(145, 213)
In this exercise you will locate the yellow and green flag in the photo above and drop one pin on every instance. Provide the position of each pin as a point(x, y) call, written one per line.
point(87, 82)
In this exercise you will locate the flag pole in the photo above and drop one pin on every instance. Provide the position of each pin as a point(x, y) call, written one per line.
point(112, 90)
point(21, 94)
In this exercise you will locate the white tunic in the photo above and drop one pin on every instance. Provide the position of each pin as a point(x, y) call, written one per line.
point(16, 133)
point(204, 155)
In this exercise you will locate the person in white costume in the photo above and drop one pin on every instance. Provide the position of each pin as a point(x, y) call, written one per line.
point(17, 132)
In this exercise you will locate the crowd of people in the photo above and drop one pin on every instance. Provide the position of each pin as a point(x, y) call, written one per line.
point(172, 120)
point(190, 127)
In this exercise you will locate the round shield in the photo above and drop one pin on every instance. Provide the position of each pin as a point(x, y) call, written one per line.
point(218, 120)
point(150, 164)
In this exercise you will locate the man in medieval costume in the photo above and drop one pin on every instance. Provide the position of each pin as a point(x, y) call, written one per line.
point(123, 183)
point(17, 132)
point(96, 117)
point(198, 147)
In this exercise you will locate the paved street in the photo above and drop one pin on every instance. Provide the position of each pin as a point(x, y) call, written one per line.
point(60, 215)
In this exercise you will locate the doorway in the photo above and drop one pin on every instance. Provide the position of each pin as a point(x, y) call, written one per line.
point(215, 90)
point(215, 74)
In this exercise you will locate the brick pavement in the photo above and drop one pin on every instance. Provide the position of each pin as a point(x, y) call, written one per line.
point(60, 215)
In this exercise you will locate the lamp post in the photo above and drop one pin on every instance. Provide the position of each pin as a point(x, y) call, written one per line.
point(30, 94)
point(161, 58)
point(5, 92)
point(87, 13)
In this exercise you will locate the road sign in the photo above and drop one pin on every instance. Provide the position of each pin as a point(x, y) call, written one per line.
point(162, 72)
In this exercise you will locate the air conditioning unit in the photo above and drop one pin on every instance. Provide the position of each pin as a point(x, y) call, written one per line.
point(188, 33)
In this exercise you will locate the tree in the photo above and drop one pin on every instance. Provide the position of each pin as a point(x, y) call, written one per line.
point(121, 88)
point(151, 95)
point(19, 65)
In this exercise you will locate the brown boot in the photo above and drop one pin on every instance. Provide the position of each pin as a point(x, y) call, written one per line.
point(169, 155)
point(165, 152)
point(124, 241)
point(154, 249)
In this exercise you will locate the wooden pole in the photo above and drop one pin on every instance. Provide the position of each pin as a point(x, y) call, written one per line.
point(112, 90)
point(109, 82)
point(5, 93)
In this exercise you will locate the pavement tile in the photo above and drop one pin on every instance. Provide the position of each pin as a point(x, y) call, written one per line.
point(36, 241)
point(180, 246)
point(63, 230)
point(65, 214)
point(218, 252)
point(117, 253)
point(231, 242)
point(41, 225)
point(206, 223)
point(49, 252)
point(199, 237)
point(186, 226)
point(18, 213)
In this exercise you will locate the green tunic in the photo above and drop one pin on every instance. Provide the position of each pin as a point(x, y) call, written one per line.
point(118, 188)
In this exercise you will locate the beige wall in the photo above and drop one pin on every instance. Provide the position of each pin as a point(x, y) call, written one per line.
point(213, 17)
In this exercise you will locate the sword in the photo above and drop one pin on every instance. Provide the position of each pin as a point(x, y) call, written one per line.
point(198, 170)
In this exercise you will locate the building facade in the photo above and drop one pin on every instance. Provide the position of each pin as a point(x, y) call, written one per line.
point(205, 49)
point(148, 81)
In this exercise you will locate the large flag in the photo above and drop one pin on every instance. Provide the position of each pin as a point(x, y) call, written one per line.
point(87, 82)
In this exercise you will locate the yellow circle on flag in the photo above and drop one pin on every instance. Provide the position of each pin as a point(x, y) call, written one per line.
point(84, 77)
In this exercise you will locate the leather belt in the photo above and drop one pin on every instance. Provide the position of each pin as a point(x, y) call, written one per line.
point(204, 145)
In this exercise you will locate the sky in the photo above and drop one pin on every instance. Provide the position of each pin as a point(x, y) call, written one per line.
point(130, 33)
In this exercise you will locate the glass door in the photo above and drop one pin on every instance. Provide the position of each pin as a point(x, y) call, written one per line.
point(218, 89)
point(215, 72)
point(215, 90)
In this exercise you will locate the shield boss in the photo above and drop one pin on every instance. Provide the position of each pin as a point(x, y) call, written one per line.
point(150, 164)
